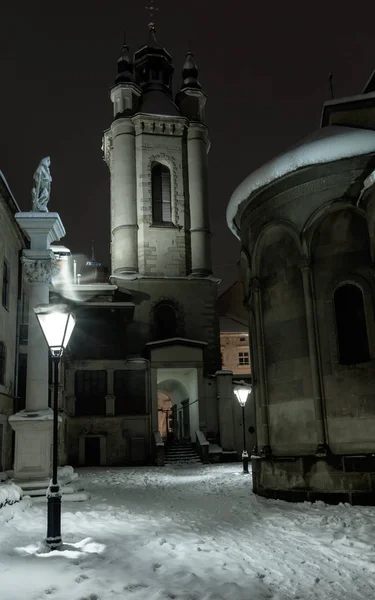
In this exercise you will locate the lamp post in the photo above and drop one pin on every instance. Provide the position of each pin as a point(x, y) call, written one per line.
point(57, 324)
point(243, 391)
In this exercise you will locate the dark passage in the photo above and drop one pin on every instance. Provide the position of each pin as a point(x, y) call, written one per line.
point(92, 451)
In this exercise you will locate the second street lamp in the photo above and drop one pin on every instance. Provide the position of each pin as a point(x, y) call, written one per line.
point(242, 391)
point(57, 324)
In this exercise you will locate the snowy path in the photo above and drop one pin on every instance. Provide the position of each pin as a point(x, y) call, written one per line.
point(194, 533)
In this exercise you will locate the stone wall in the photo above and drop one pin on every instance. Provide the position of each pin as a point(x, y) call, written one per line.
point(163, 250)
point(195, 300)
point(288, 376)
point(341, 253)
point(119, 433)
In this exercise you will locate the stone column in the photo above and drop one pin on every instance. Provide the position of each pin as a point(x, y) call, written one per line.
point(197, 147)
point(202, 402)
point(154, 399)
point(314, 357)
point(263, 435)
point(38, 274)
point(226, 401)
point(255, 395)
point(124, 226)
point(33, 426)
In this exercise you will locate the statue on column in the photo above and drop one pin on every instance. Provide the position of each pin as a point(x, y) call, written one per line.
point(40, 193)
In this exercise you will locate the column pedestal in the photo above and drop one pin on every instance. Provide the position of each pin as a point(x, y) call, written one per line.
point(33, 426)
point(33, 450)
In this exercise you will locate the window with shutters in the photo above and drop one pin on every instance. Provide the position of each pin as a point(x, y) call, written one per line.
point(130, 392)
point(2, 363)
point(161, 194)
point(90, 391)
point(351, 327)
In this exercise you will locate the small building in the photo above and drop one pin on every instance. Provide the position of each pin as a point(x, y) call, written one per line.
point(234, 332)
point(305, 222)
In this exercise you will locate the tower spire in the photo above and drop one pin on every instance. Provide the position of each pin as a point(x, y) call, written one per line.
point(191, 99)
point(190, 73)
point(124, 65)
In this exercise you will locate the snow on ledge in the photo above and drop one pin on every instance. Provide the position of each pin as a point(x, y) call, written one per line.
point(325, 145)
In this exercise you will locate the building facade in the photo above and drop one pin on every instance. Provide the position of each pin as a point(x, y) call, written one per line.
point(11, 243)
point(144, 360)
point(305, 222)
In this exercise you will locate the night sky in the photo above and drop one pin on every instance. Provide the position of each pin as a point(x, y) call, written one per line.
point(264, 67)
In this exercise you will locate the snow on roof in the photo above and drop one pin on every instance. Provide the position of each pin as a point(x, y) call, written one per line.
point(325, 145)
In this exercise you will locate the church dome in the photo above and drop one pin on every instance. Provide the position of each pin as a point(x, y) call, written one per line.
point(326, 145)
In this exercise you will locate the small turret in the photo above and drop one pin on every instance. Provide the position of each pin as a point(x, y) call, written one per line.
point(124, 66)
point(190, 73)
point(191, 100)
point(125, 94)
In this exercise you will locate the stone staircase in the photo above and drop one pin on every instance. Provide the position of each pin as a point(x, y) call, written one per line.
point(71, 488)
point(180, 453)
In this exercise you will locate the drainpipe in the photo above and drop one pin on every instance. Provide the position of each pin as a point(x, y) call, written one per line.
point(16, 358)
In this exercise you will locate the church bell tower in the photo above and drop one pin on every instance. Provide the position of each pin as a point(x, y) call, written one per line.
point(156, 150)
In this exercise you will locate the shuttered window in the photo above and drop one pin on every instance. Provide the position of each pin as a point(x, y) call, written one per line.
point(90, 391)
point(161, 194)
point(130, 392)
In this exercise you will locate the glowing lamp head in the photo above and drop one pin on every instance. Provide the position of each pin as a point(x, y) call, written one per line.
point(57, 324)
point(242, 391)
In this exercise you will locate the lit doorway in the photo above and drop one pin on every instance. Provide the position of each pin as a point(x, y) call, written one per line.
point(165, 417)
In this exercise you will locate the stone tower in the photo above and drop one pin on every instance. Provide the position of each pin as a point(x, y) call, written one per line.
point(156, 150)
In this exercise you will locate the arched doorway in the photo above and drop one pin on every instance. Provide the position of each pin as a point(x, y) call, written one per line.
point(175, 397)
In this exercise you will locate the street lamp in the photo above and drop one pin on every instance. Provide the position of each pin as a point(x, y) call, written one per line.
point(57, 324)
point(243, 391)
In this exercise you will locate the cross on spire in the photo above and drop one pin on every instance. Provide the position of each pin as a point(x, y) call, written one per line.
point(151, 9)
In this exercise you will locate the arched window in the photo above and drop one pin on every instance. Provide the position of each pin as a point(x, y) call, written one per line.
point(165, 322)
point(351, 327)
point(2, 362)
point(161, 194)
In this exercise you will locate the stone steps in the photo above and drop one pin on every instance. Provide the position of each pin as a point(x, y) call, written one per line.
point(181, 453)
point(70, 487)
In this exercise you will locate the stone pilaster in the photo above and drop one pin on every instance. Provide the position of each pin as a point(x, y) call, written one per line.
point(261, 398)
point(124, 227)
point(201, 264)
point(313, 354)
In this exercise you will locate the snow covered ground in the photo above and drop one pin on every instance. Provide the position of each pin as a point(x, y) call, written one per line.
point(188, 533)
